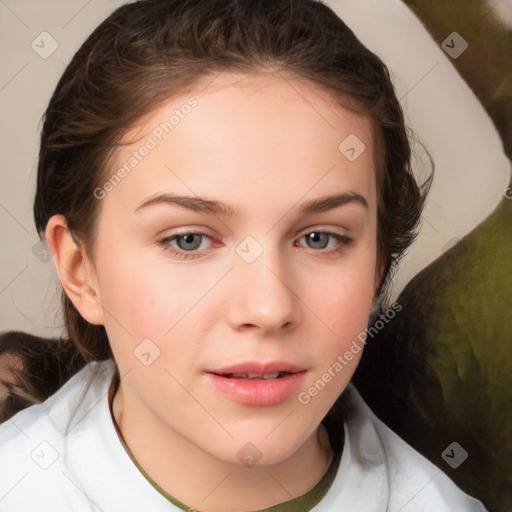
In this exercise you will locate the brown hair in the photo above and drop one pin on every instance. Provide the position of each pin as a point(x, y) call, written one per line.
point(150, 49)
point(32, 369)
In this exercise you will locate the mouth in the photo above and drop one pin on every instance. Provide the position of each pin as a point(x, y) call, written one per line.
point(258, 384)
point(255, 376)
point(256, 369)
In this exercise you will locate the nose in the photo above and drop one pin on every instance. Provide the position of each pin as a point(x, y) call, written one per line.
point(264, 295)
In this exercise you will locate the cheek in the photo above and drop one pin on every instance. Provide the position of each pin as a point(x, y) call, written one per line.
point(147, 305)
point(151, 300)
point(343, 305)
point(346, 307)
point(347, 294)
point(133, 286)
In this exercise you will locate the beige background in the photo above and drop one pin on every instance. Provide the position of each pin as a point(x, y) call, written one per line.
point(471, 171)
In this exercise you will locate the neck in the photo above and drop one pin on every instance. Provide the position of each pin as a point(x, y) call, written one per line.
point(202, 481)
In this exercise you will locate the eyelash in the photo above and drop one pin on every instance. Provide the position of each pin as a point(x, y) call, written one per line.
point(343, 240)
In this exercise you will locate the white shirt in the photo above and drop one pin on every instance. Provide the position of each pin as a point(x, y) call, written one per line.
point(64, 455)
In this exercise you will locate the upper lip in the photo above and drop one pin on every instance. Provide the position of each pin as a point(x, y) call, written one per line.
point(259, 368)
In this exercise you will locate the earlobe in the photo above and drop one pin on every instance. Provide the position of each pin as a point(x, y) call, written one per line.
point(76, 272)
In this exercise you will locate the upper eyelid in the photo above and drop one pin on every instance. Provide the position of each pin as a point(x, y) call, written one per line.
point(203, 231)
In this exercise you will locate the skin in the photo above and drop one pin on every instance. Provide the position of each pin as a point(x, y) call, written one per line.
point(264, 145)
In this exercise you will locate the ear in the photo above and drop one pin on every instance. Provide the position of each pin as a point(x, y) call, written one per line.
point(76, 271)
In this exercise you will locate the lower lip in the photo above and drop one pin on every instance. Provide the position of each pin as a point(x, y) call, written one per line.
point(258, 392)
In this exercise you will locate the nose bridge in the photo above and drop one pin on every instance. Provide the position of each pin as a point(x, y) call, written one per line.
point(263, 294)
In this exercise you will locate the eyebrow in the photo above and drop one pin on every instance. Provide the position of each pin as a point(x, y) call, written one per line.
point(202, 205)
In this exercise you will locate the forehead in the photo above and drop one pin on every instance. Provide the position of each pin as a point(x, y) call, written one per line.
point(278, 97)
point(251, 133)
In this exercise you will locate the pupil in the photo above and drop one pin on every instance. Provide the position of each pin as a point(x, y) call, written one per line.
point(314, 238)
point(188, 239)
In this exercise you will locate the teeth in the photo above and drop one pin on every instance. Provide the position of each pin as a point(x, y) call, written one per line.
point(265, 376)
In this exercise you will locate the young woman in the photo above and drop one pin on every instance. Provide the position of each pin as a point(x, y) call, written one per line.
point(225, 187)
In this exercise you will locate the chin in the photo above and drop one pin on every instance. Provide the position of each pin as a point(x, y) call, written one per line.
point(265, 446)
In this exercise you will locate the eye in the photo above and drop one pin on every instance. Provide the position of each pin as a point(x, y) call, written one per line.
point(320, 240)
point(187, 244)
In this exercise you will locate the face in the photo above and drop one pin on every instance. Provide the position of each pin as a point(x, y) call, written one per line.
point(240, 243)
